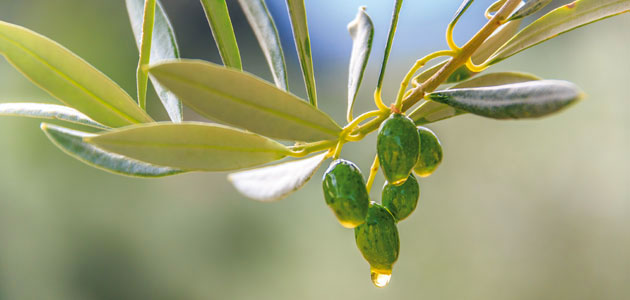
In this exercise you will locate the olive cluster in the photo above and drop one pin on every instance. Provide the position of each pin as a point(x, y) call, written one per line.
point(401, 149)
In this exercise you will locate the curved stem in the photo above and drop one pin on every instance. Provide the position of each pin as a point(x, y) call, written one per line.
point(360, 119)
point(390, 39)
point(449, 30)
point(378, 100)
point(419, 64)
point(476, 68)
point(449, 38)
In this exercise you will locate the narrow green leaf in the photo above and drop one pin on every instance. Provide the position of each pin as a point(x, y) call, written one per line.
point(390, 41)
point(266, 33)
point(303, 44)
point(512, 101)
point(142, 75)
point(71, 142)
point(163, 47)
point(48, 111)
point(277, 181)
point(191, 146)
point(530, 7)
point(430, 111)
point(494, 42)
point(559, 21)
point(68, 78)
point(221, 26)
point(362, 32)
point(245, 101)
point(460, 11)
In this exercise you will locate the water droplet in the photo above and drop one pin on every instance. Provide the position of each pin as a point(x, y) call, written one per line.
point(380, 278)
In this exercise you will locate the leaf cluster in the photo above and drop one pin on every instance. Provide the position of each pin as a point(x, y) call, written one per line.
point(254, 115)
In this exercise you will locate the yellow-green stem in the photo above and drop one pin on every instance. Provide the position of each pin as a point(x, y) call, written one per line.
point(378, 100)
point(359, 119)
point(338, 149)
point(419, 64)
point(449, 37)
point(373, 171)
point(464, 54)
point(411, 97)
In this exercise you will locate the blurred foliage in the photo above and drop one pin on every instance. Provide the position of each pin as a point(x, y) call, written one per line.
point(518, 210)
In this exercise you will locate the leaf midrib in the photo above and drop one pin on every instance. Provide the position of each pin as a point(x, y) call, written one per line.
point(250, 104)
point(195, 146)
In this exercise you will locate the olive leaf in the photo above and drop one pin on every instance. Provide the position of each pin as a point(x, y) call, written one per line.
point(362, 32)
point(530, 7)
point(266, 33)
point(512, 101)
point(390, 41)
point(68, 78)
point(494, 42)
point(299, 24)
point(559, 21)
point(245, 101)
point(142, 75)
point(277, 181)
point(48, 111)
point(163, 47)
point(222, 31)
point(71, 142)
point(430, 111)
point(191, 146)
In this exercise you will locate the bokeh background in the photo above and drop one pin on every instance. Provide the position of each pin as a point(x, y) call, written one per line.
point(518, 210)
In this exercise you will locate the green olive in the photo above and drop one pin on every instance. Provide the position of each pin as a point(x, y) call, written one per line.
point(377, 239)
point(345, 193)
point(398, 147)
point(430, 153)
point(401, 200)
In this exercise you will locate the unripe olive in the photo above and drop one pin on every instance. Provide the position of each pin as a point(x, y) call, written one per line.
point(377, 239)
point(430, 153)
point(401, 200)
point(397, 146)
point(345, 193)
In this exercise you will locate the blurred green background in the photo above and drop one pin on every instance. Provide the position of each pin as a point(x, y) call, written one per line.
point(518, 210)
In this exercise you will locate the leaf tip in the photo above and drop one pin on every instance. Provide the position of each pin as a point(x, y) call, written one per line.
point(581, 96)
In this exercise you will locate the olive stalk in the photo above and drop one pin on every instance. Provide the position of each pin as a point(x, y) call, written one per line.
point(464, 54)
point(461, 56)
point(373, 171)
point(419, 64)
